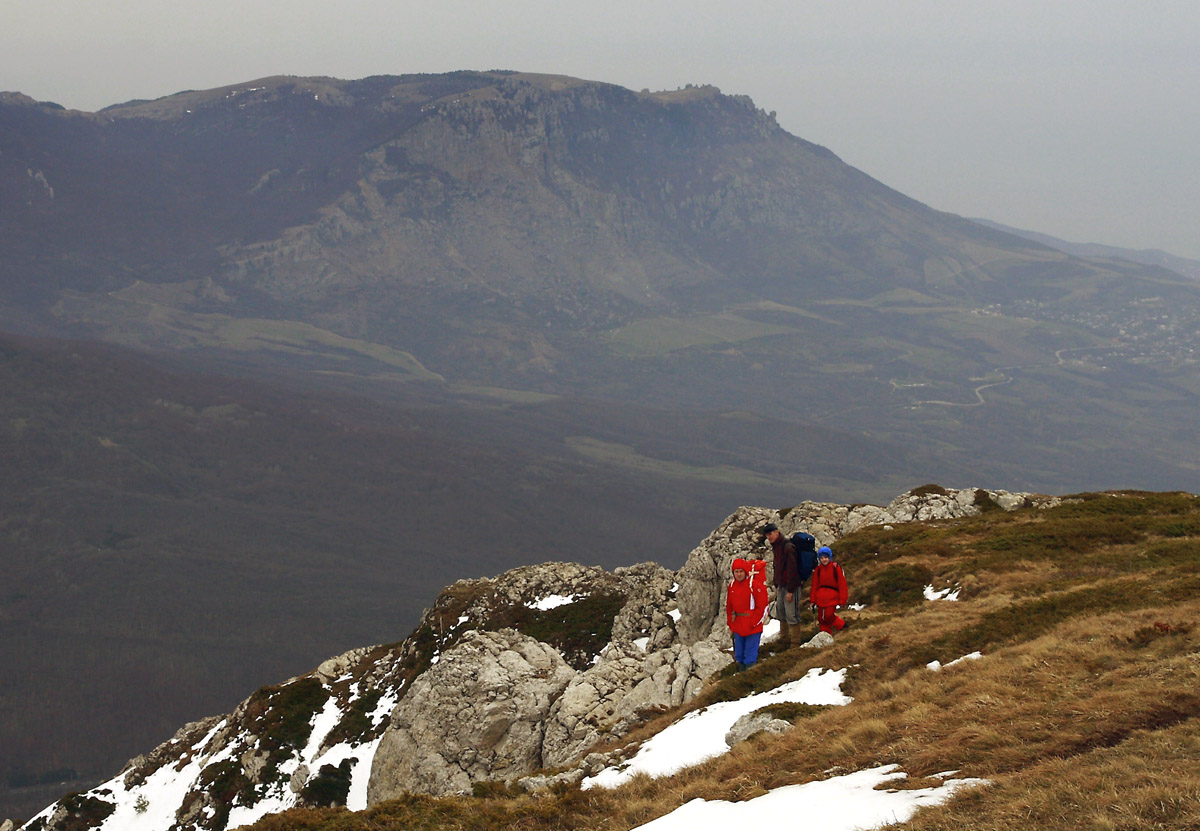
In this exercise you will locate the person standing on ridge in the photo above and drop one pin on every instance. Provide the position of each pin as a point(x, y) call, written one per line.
point(829, 591)
point(787, 583)
point(745, 610)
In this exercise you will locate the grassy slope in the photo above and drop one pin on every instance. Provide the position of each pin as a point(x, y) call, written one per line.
point(1082, 712)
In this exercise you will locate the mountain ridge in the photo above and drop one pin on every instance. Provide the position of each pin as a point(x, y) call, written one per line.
point(563, 236)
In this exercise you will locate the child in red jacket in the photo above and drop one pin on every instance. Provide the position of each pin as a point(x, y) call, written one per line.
point(829, 591)
point(745, 609)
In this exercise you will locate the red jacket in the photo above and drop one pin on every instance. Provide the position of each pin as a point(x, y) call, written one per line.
point(828, 585)
point(745, 602)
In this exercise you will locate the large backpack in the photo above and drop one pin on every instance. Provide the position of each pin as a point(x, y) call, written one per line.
point(806, 553)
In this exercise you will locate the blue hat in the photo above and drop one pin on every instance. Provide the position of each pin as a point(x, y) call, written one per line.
point(825, 551)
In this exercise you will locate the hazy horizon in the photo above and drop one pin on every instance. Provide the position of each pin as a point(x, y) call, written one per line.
point(1073, 119)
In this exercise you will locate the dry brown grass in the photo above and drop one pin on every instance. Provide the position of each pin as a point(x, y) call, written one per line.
point(1082, 712)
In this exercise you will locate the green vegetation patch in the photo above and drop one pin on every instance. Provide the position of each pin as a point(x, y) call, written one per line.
point(879, 543)
point(899, 584)
point(662, 335)
point(579, 630)
point(356, 726)
point(222, 783)
point(1168, 554)
point(1031, 619)
point(1098, 532)
point(793, 711)
point(84, 812)
point(282, 716)
point(329, 787)
point(929, 490)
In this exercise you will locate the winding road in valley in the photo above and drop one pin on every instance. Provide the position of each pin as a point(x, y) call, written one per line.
point(1007, 379)
point(979, 401)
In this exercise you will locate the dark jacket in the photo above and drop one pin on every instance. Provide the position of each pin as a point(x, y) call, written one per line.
point(787, 573)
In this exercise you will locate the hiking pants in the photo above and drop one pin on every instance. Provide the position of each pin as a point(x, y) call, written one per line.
point(745, 648)
point(828, 619)
point(787, 612)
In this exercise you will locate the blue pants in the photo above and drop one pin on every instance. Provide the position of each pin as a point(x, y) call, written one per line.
point(745, 648)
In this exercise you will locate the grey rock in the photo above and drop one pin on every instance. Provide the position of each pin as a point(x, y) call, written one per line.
point(752, 724)
point(543, 782)
point(704, 576)
point(299, 779)
point(476, 715)
point(334, 668)
point(254, 762)
point(626, 686)
point(818, 641)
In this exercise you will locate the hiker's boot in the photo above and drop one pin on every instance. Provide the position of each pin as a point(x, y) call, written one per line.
point(785, 638)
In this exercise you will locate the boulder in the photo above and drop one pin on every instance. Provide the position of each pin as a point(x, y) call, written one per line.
point(625, 686)
point(752, 724)
point(818, 641)
point(476, 715)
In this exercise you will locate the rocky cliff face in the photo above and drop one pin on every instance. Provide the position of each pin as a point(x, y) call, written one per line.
point(503, 678)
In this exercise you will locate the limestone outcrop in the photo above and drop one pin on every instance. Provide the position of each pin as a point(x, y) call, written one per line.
point(701, 580)
point(478, 714)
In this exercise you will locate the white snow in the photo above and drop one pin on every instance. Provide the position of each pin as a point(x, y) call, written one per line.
point(163, 793)
point(943, 594)
point(675, 615)
point(700, 735)
point(843, 803)
point(641, 643)
point(770, 631)
point(937, 665)
point(552, 601)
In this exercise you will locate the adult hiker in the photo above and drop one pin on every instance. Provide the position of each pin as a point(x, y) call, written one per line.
point(787, 584)
point(829, 591)
point(745, 611)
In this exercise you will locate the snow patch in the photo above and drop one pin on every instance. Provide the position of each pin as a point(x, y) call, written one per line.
point(943, 594)
point(934, 666)
point(553, 601)
point(843, 803)
point(700, 735)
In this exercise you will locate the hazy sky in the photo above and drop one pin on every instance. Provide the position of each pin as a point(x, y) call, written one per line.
point(1080, 119)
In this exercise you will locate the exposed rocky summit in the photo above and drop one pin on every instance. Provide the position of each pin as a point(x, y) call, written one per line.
point(700, 599)
point(503, 678)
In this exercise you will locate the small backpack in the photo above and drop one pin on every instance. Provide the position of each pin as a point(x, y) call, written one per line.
point(806, 553)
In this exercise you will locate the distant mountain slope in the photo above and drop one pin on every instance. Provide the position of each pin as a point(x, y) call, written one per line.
point(1145, 256)
point(561, 236)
